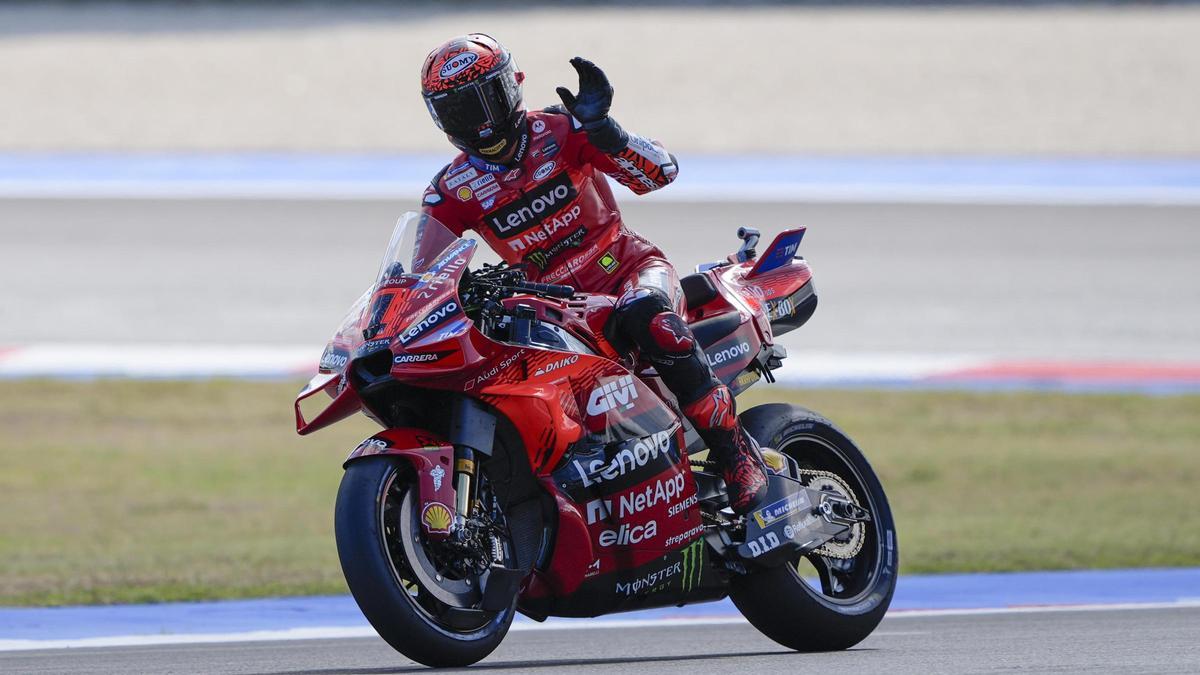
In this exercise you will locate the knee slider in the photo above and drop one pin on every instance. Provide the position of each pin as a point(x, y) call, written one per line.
point(647, 317)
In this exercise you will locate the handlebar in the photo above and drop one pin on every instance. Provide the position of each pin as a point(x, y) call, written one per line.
point(552, 290)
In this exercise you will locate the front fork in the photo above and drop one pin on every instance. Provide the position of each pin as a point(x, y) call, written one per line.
point(472, 429)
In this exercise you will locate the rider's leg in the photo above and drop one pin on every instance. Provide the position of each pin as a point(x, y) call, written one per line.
point(648, 314)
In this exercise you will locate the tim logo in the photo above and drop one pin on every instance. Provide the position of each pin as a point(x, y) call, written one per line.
point(616, 395)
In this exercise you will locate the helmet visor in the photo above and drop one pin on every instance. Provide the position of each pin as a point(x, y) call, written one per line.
point(477, 108)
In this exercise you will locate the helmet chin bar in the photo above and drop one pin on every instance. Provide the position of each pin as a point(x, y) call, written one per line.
point(506, 153)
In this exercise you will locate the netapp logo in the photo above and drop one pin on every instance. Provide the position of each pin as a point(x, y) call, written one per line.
point(538, 204)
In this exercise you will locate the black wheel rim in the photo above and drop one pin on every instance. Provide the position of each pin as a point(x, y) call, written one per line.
point(397, 519)
point(841, 582)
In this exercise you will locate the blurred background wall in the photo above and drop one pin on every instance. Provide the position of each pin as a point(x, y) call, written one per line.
point(1015, 79)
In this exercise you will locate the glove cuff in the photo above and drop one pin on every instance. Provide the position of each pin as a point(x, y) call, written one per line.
point(606, 135)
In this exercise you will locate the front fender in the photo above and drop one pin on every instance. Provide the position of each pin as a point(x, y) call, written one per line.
point(431, 458)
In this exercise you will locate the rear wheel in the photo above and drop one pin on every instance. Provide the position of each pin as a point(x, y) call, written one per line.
point(834, 597)
point(421, 596)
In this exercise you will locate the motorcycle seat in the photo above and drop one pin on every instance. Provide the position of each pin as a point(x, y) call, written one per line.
point(698, 290)
point(711, 330)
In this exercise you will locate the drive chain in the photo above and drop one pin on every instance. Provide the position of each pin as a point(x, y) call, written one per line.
point(831, 549)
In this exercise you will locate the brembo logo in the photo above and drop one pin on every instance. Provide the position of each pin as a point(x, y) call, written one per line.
point(619, 393)
point(431, 319)
point(457, 64)
point(538, 204)
point(729, 353)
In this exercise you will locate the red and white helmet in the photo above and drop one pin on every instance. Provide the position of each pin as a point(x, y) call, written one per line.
point(472, 88)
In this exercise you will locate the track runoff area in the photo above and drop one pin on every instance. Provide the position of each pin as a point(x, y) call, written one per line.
point(963, 211)
point(1070, 275)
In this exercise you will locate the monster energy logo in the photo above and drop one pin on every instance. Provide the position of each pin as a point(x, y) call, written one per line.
point(541, 258)
point(693, 560)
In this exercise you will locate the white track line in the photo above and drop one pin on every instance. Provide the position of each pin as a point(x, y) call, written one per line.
point(344, 632)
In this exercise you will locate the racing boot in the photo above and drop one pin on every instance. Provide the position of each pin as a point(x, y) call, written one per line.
point(741, 463)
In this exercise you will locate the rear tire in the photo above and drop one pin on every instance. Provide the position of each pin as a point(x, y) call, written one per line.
point(398, 611)
point(853, 597)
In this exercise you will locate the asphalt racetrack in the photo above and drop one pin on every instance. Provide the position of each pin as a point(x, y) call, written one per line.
point(1012, 281)
point(1159, 640)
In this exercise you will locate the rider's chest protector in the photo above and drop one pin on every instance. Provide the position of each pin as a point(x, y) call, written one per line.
point(550, 208)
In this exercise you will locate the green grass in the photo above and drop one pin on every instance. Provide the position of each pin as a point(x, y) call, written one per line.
point(147, 491)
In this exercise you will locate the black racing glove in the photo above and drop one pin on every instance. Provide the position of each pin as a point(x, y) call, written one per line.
point(590, 106)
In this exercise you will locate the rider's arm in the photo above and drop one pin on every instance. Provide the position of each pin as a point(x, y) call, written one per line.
point(640, 164)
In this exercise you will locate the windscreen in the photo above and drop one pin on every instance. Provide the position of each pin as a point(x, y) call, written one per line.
point(415, 244)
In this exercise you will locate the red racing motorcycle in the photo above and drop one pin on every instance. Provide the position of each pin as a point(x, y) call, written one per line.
point(525, 465)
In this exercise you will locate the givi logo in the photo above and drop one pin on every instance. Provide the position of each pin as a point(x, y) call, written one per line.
point(619, 393)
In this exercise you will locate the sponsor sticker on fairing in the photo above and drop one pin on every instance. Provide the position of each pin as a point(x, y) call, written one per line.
point(618, 394)
point(416, 358)
point(333, 359)
point(729, 353)
point(433, 319)
point(783, 508)
point(635, 455)
point(662, 491)
point(555, 365)
point(627, 534)
point(538, 126)
point(436, 518)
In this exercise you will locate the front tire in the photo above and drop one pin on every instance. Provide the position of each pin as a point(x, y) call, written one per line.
point(853, 594)
point(389, 589)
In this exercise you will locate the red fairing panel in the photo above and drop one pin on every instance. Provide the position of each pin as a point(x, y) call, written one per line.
point(431, 457)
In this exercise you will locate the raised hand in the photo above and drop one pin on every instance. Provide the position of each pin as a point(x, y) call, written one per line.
point(590, 106)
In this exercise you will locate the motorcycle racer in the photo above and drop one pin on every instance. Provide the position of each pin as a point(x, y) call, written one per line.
point(532, 185)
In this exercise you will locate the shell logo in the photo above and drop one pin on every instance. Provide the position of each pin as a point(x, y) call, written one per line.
point(436, 517)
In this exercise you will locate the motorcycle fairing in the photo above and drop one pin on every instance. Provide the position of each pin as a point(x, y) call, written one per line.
point(344, 402)
point(431, 457)
point(732, 355)
point(673, 578)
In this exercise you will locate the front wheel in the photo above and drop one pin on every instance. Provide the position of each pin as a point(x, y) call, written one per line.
point(832, 598)
point(420, 596)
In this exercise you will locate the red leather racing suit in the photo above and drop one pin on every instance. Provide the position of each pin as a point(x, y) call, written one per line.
point(551, 207)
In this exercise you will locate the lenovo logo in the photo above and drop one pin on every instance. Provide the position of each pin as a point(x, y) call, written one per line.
point(542, 202)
